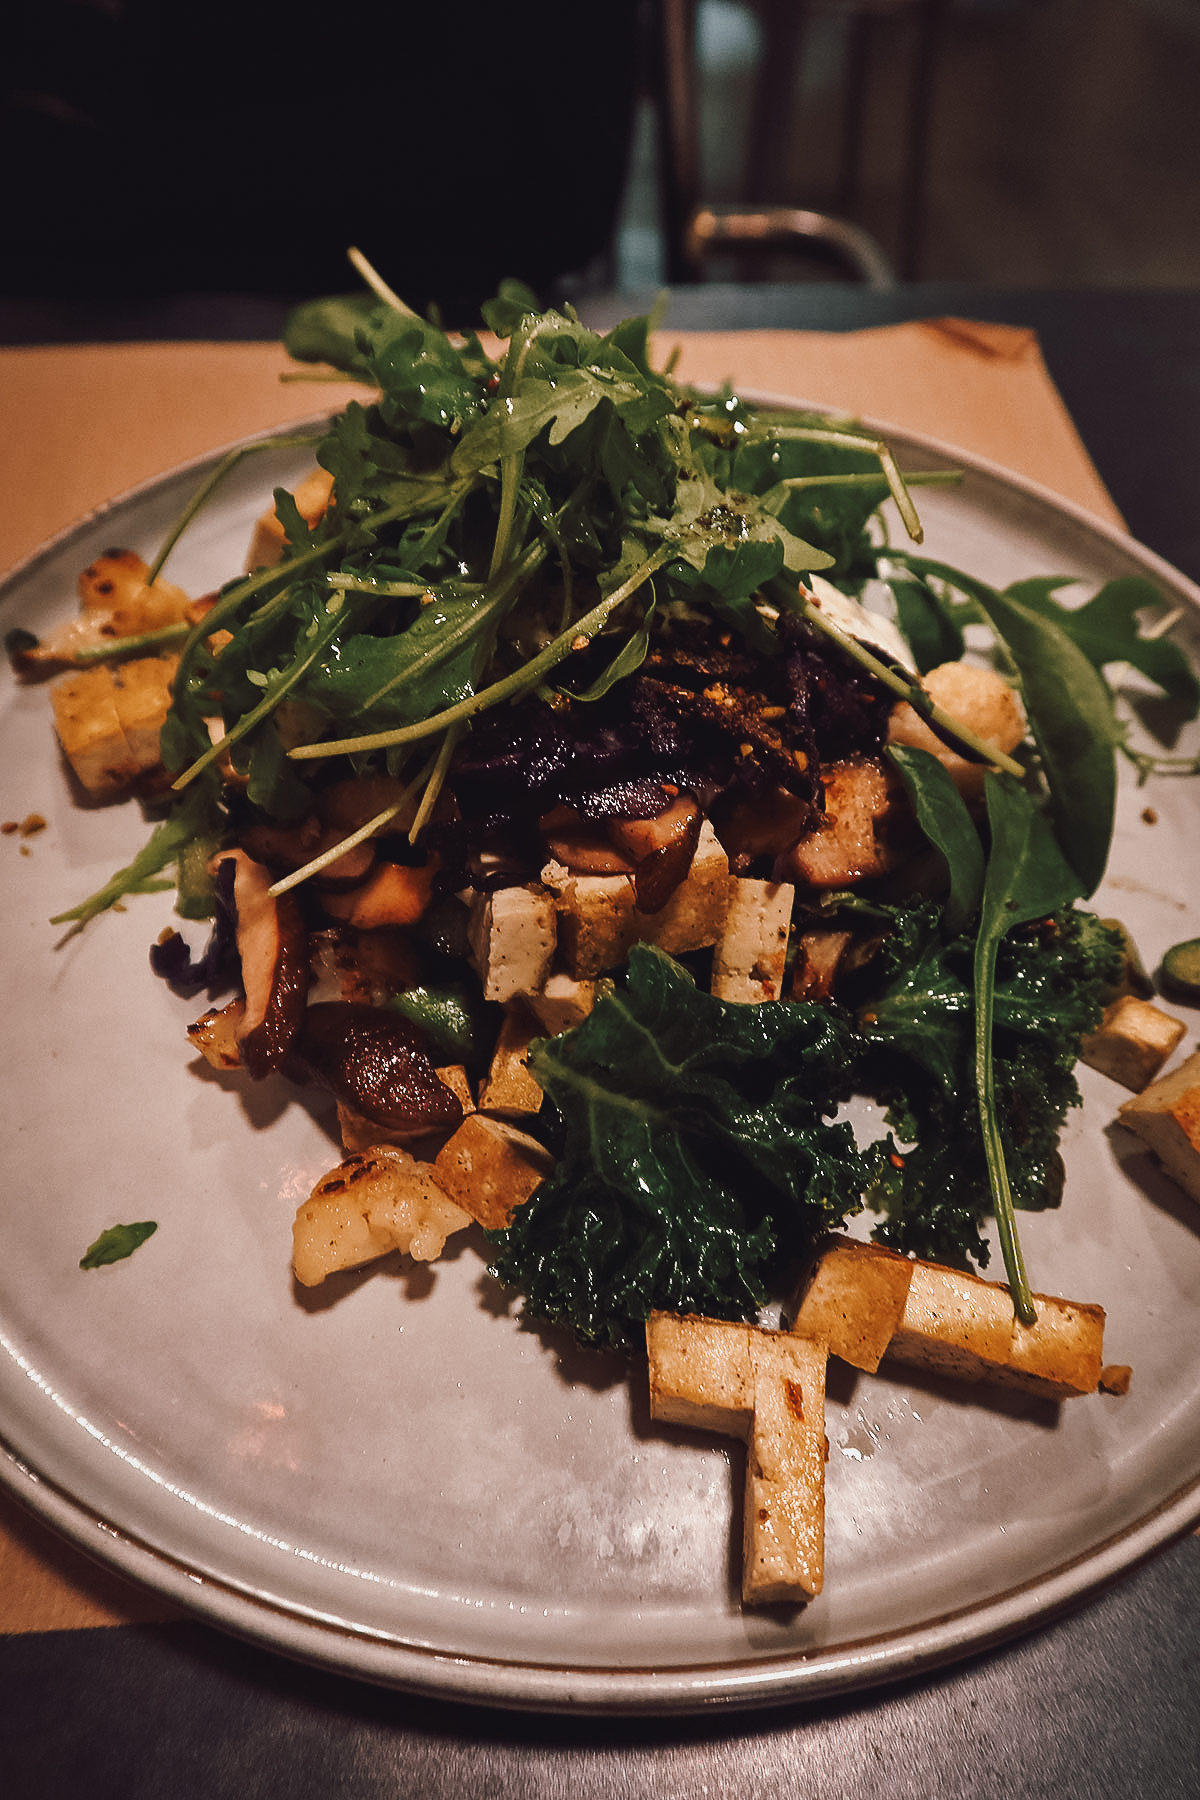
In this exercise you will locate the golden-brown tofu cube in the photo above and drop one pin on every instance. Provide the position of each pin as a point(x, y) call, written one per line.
point(595, 923)
point(1167, 1118)
point(768, 1389)
point(108, 720)
point(962, 1326)
point(599, 921)
point(844, 847)
point(142, 691)
point(89, 730)
point(561, 1002)
point(509, 1088)
point(1133, 1041)
point(312, 498)
point(512, 934)
point(694, 916)
point(867, 1303)
point(853, 1300)
point(490, 1169)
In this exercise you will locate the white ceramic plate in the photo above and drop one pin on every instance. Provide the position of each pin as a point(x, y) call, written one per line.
point(388, 1476)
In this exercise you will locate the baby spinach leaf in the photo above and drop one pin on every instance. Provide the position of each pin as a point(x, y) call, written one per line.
point(928, 623)
point(1027, 877)
point(943, 817)
point(1071, 716)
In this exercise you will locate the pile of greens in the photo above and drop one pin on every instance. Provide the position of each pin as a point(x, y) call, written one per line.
point(522, 530)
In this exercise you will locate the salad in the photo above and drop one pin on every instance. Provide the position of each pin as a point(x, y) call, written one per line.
point(578, 712)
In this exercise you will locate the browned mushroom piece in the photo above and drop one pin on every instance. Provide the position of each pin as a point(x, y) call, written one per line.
point(376, 1062)
point(273, 946)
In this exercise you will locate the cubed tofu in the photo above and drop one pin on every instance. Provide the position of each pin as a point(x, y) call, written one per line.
point(311, 497)
point(599, 921)
point(962, 1326)
point(751, 954)
point(108, 719)
point(561, 1003)
point(89, 730)
point(844, 847)
point(512, 934)
point(595, 924)
point(694, 916)
point(1133, 1041)
point(490, 1169)
point(768, 1389)
point(867, 1303)
point(853, 1300)
point(1167, 1118)
point(372, 1203)
point(142, 691)
point(783, 1544)
point(508, 1087)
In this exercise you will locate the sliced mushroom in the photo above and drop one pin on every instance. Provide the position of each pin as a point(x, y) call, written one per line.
point(376, 1062)
point(273, 947)
point(662, 850)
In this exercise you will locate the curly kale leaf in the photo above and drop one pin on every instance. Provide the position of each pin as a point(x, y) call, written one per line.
point(696, 1155)
point(1050, 983)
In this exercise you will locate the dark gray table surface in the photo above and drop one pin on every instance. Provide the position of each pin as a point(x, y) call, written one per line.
point(1105, 1701)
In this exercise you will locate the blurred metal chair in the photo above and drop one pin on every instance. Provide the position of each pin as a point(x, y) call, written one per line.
point(695, 232)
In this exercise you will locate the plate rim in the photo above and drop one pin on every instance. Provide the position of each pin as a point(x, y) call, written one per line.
point(755, 1681)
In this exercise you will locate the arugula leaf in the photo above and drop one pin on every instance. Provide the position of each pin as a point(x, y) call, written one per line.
point(197, 816)
point(118, 1242)
point(328, 331)
point(1107, 629)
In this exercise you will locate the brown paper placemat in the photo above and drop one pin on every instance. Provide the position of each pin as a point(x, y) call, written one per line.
point(85, 423)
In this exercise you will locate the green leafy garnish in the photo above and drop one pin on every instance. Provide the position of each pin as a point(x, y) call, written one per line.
point(694, 1154)
point(118, 1242)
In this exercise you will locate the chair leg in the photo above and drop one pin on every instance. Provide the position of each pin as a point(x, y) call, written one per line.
point(930, 22)
point(783, 31)
point(676, 105)
point(854, 112)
